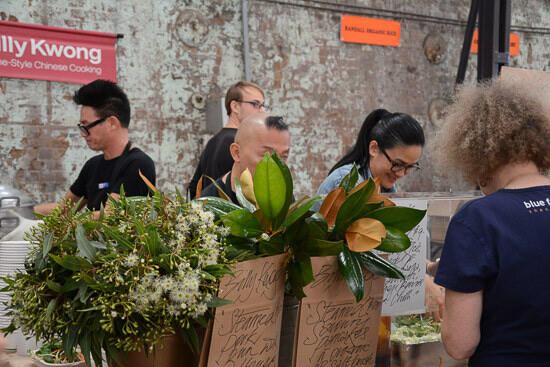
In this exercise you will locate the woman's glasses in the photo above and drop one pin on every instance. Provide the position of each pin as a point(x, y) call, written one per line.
point(397, 167)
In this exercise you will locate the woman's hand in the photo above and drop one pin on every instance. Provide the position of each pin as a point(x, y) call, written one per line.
point(434, 299)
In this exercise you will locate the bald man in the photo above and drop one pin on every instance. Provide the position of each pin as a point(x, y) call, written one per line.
point(258, 134)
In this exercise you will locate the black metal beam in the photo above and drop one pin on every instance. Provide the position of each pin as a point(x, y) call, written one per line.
point(467, 44)
point(494, 38)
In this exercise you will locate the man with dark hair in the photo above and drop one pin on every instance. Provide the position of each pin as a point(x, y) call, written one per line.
point(257, 135)
point(104, 120)
point(242, 99)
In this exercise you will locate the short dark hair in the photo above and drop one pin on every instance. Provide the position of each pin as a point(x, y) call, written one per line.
point(276, 122)
point(106, 98)
point(235, 93)
point(388, 130)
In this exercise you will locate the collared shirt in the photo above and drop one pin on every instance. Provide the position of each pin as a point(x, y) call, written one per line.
point(334, 179)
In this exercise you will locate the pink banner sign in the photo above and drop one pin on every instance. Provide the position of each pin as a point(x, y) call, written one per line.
point(49, 53)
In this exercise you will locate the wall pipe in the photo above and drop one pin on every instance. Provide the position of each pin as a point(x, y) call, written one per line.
point(246, 46)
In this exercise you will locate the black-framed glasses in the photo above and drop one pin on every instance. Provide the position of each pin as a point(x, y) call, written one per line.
point(397, 167)
point(86, 128)
point(257, 105)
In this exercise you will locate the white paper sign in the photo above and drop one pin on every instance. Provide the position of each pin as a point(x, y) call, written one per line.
point(404, 297)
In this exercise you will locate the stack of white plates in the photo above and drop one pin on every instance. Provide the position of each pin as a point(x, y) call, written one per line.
point(12, 260)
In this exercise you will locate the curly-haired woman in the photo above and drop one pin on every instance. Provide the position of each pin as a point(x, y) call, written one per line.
point(495, 263)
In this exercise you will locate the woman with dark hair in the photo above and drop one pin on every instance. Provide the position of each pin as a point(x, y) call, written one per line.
point(496, 255)
point(388, 147)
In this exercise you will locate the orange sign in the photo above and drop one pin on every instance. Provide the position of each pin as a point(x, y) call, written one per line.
point(514, 43)
point(370, 31)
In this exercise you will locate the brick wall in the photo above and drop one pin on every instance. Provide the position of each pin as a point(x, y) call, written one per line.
point(175, 51)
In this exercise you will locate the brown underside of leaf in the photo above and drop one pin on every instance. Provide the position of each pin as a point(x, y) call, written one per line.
point(331, 205)
point(365, 234)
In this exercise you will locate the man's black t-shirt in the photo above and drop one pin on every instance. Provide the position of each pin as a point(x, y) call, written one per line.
point(215, 159)
point(212, 190)
point(100, 177)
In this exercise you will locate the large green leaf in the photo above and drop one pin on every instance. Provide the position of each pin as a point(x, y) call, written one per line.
point(270, 187)
point(275, 245)
point(352, 206)
point(349, 180)
point(299, 275)
point(351, 271)
point(218, 206)
point(398, 217)
point(395, 241)
point(299, 212)
point(241, 198)
point(69, 341)
point(289, 190)
point(85, 248)
point(218, 302)
point(378, 265)
point(242, 223)
point(113, 234)
point(317, 247)
point(317, 226)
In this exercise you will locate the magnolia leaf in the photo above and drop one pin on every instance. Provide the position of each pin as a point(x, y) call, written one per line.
point(365, 234)
point(269, 187)
point(218, 302)
point(242, 199)
point(289, 189)
point(221, 193)
point(398, 217)
point(351, 272)
point(317, 247)
point(242, 223)
point(376, 197)
point(395, 241)
point(218, 206)
point(299, 212)
point(247, 186)
point(331, 205)
point(351, 208)
point(378, 265)
point(349, 180)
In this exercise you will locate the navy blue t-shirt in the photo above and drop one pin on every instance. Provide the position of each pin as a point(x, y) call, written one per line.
point(500, 244)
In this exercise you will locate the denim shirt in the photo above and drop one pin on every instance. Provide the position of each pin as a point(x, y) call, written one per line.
point(334, 179)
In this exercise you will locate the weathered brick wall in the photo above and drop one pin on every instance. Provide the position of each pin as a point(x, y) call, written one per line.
point(176, 52)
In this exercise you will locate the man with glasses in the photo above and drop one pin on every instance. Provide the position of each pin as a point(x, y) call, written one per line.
point(104, 120)
point(242, 99)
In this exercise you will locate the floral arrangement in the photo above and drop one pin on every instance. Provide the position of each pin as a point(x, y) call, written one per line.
point(352, 221)
point(148, 267)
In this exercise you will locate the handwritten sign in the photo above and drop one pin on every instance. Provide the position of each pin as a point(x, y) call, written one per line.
point(514, 43)
point(402, 297)
point(370, 31)
point(333, 329)
point(246, 333)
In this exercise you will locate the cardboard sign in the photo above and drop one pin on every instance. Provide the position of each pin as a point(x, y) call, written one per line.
point(370, 31)
point(514, 43)
point(403, 297)
point(247, 332)
point(333, 329)
point(49, 53)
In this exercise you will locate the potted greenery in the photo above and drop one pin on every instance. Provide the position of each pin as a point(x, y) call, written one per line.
point(147, 270)
point(352, 221)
